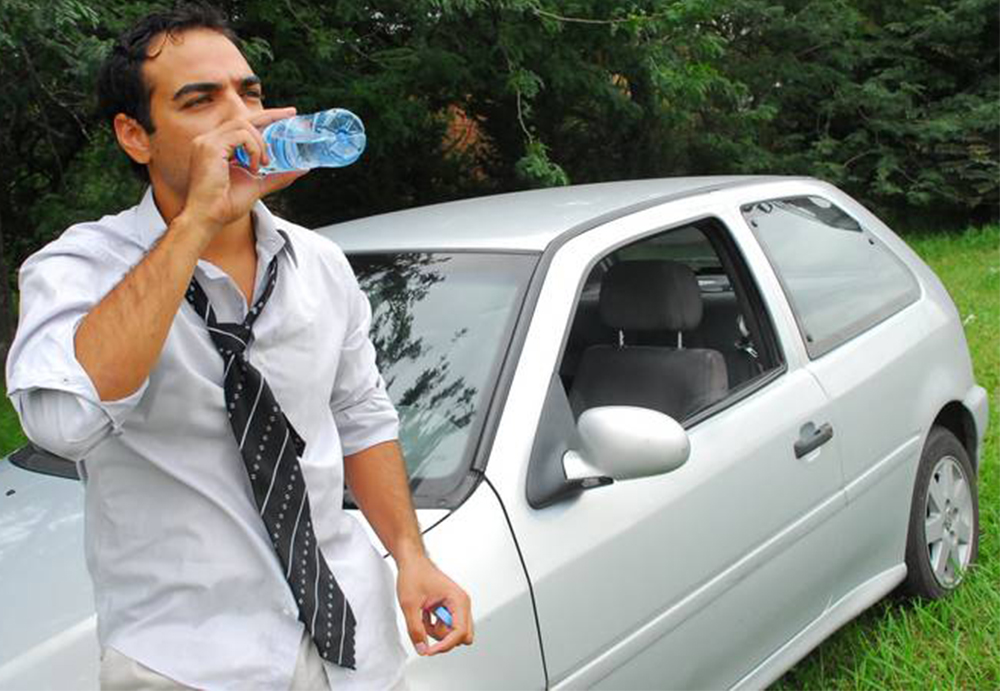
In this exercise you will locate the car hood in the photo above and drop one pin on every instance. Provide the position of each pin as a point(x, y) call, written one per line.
point(47, 592)
point(41, 559)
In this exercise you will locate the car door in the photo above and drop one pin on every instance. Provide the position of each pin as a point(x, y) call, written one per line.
point(856, 307)
point(692, 578)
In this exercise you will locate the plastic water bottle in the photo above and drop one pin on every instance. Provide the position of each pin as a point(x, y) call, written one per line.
point(330, 139)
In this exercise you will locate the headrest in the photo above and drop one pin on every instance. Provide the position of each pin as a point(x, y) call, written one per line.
point(650, 295)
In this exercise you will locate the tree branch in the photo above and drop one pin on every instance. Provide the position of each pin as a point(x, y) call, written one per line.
point(36, 80)
point(517, 93)
point(538, 11)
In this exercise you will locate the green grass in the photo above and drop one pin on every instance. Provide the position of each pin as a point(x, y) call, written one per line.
point(950, 644)
point(11, 436)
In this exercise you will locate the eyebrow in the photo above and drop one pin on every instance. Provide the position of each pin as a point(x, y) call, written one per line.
point(212, 87)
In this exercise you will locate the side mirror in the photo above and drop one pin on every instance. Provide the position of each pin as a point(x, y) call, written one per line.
point(609, 443)
point(627, 442)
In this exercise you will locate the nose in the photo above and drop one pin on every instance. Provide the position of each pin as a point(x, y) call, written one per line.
point(236, 105)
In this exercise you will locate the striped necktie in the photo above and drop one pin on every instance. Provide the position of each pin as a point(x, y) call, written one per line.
point(271, 448)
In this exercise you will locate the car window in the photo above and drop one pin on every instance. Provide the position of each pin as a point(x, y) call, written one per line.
point(624, 347)
point(687, 245)
point(441, 323)
point(838, 277)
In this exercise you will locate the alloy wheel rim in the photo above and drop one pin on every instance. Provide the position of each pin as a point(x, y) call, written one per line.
point(948, 522)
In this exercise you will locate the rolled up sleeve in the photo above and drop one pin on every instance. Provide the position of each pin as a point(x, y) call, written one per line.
point(58, 405)
point(362, 409)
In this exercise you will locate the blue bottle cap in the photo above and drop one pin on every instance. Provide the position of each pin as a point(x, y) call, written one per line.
point(242, 156)
point(442, 613)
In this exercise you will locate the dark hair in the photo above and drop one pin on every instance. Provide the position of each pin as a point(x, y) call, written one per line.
point(121, 87)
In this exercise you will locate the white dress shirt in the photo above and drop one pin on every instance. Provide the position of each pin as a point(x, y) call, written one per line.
point(185, 579)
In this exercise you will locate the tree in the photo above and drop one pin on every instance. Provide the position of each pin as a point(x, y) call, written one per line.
point(46, 63)
point(896, 102)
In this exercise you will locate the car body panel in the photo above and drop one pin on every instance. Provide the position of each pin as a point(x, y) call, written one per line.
point(875, 372)
point(976, 401)
point(475, 540)
point(69, 660)
point(528, 221)
point(41, 556)
point(951, 377)
point(706, 547)
point(580, 544)
point(840, 613)
point(41, 552)
point(887, 386)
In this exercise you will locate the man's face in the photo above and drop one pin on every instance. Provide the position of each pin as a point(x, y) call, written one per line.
point(198, 81)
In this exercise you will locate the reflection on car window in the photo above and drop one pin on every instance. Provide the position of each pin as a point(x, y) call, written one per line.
point(838, 277)
point(440, 324)
point(685, 245)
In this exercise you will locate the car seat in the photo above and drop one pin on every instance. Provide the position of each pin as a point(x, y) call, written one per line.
point(646, 296)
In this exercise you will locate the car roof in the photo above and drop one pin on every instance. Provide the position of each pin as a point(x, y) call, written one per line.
point(518, 220)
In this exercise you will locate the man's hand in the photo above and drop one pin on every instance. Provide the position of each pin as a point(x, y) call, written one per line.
point(118, 341)
point(213, 200)
point(377, 478)
point(421, 587)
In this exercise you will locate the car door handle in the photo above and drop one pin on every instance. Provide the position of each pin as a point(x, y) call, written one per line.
point(812, 437)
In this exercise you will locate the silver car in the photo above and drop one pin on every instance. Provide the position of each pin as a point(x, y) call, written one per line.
point(667, 434)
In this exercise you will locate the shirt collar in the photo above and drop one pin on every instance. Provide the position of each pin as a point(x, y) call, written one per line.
point(271, 237)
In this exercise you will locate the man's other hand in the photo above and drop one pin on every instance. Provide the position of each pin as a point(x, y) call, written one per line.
point(421, 588)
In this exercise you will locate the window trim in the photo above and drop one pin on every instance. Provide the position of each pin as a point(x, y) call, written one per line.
point(816, 349)
point(732, 258)
point(557, 431)
point(748, 294)
point(498, 404)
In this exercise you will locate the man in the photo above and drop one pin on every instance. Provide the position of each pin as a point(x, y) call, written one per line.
point(209, 368)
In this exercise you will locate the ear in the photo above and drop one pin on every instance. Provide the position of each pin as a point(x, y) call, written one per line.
point(133, 138)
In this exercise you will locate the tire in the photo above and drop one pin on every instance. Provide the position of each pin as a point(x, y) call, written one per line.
point(943, 536)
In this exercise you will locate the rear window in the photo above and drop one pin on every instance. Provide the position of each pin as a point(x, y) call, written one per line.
point(839, 278)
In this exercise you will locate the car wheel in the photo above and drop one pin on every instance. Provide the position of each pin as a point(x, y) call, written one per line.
point(943, 536)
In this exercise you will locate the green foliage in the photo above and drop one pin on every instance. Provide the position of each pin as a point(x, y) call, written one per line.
point(536, 168)
point(11, 435)
point(48, 62)
point(896, 102)
point(97, 181)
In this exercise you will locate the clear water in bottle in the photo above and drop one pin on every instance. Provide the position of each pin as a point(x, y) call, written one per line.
point(331, 139)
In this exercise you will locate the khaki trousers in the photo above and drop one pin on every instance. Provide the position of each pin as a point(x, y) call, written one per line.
point(120, 672)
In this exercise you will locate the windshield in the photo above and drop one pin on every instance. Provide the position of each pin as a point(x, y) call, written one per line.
point(441, 323)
